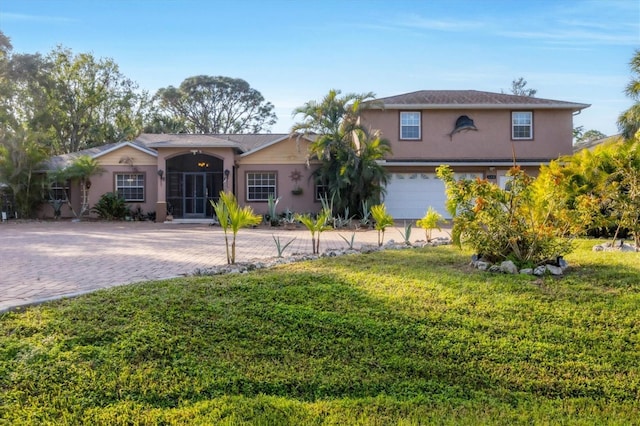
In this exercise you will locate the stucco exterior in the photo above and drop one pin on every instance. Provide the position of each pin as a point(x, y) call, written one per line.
point(183, 173)
point(552, 135)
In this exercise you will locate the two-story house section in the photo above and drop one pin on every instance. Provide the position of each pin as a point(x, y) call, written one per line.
point(479, 134)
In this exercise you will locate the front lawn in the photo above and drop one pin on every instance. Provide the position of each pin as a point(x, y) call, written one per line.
point(396, 337)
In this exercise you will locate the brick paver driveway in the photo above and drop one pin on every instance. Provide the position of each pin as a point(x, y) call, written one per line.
point(47, 260)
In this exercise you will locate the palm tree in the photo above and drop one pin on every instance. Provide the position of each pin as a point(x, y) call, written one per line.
point(347, 151)
point(233, 217)
point(629, 121)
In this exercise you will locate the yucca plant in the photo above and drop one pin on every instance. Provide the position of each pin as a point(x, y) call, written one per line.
point(382, 220)
point(316, 226)
point(233, 217)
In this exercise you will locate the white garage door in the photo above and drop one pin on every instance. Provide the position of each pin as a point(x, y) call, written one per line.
point(409, 195)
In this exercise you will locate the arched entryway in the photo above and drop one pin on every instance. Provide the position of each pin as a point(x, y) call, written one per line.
point(192, 180)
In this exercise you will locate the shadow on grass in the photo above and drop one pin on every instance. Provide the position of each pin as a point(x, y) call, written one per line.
point(409, 325)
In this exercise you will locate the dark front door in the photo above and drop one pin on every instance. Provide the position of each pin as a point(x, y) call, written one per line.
point(195, 195)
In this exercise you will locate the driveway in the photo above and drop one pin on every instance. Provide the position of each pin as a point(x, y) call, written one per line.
point(42, 261)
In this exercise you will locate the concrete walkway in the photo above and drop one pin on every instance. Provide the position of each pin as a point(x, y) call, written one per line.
point(42, 261)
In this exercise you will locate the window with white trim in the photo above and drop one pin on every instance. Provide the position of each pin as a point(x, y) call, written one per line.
point(410, 125)
point(260, 185)
point(522, 125)
point(130, 186)
point(59, 191)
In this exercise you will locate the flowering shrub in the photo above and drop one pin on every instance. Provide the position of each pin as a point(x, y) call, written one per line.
point(503, 224)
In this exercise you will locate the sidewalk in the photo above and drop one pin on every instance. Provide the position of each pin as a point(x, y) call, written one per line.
point(42, 261)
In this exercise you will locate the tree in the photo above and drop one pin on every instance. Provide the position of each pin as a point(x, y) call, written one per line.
point(590, 136)
point(504, 224)
point(21, 154)
point(595, 190)
point(219, 104)
point(629, 121)
point(316, 225)
point(233, 217)
point(622, 187)
point(518, 87)
point(348, 153)
point(89, 102)
point(382, 220)
point(79, 171)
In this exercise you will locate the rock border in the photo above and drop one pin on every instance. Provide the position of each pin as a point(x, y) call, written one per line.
point(556, 268)
point(244, 267)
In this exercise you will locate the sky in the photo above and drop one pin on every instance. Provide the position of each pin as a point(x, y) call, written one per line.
point(296, 51)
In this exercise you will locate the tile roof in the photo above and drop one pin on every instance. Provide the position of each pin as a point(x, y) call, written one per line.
point(242, 142)
point(149, 142)
point(448, 99)
point(64, 160)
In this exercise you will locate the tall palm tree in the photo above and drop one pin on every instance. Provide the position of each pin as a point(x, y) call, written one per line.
point(629, 121)
point(347, 151)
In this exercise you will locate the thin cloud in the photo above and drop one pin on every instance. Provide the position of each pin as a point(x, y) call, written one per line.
point(574, 37)
point(21, 17)
point(453, 25)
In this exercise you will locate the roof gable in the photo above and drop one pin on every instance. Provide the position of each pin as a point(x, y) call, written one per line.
point(64, 160)
point(453, 99)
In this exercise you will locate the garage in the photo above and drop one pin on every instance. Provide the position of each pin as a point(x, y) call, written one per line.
point(409, 195)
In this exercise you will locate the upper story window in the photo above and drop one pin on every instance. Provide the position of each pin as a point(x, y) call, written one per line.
point(260, 185)
point(410, 125)
point(130, 186)
point(522, 125)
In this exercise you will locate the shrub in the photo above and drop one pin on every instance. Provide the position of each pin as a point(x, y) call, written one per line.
point(430, 221)
point(503, 224)
point(382, 220)
point(232, 217)
point(111, 207)
point(315, 226)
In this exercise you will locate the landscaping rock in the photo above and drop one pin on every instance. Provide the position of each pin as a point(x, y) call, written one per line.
point(526, 271)
point(483, 266)
point(508, 267)
point(554, 270)
point(616, 246)
point(540, 270)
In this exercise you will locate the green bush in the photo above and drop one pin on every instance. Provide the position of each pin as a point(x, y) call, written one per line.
point(501, 224)
point(111, 207)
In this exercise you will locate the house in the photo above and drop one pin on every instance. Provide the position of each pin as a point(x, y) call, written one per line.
point(593, 143)
point(480, 134)
point(178, 174)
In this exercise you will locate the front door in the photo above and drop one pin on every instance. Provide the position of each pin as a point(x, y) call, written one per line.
point(195, 195)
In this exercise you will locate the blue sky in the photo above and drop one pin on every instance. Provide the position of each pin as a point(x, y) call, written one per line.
point(295, 51)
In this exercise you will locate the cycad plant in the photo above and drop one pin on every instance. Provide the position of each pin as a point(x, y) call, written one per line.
point(382, 220)
point(233, 217)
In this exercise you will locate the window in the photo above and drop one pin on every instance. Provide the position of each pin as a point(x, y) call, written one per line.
point(130, 186)
point(410, 125)
point(59, 191)
point(522, 125)
point(260, 185)
point(322, 192)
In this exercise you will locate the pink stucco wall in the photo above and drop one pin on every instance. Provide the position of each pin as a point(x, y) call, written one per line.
point(303, 203)
point(552, 135)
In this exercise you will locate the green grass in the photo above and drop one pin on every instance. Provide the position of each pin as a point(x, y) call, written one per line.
point(396, 337)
